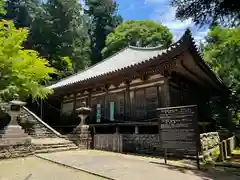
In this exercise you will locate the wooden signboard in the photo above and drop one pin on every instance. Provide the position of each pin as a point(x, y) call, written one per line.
point(178, 129)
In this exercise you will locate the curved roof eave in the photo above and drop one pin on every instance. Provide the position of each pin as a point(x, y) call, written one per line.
point(140, 55)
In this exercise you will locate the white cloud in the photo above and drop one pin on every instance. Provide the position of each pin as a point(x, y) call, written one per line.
point(199, 35)
point(155, 1)
point(168, 19)
point(165, 15)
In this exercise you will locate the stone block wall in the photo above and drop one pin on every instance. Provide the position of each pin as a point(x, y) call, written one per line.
point(209, 145)
point(141, 143)
point(22, 150)
point(151, 144)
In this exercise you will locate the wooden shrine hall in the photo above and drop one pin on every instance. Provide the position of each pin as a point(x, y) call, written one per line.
point(125, 89)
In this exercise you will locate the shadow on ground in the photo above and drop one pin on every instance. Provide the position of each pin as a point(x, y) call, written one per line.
point(206, 173)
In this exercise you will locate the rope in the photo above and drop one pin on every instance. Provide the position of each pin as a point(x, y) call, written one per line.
point(102, 116)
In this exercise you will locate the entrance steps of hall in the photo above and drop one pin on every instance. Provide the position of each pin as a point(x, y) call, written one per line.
point(48, 145)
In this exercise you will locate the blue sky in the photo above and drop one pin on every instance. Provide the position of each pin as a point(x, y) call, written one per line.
point(159, 11)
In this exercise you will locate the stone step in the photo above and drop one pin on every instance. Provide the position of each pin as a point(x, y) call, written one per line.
point(49, 150)
point(45, 146)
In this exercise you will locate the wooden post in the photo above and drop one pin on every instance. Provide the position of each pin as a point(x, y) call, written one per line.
point(127, 111)
point(74, 102)
point(166, 102)
point(136, 130)
point(165, 155)
point(89, 104)
point(165, 91)
point(106, 111)
point(89, 98)
point(117, 130)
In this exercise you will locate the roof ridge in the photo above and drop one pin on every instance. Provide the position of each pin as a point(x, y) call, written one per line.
point(159, 47)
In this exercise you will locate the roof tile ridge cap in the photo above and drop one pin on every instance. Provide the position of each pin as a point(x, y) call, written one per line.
point(81, 71)
point(159, 47)
point(179, 41)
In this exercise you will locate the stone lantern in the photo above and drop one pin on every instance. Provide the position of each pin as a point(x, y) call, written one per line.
point(13, 133)
point(83, 113)
point(82, 130)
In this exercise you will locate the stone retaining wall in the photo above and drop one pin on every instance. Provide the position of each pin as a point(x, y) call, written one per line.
point(38, 130)
point(151, 144)
point(141, 143)
point(209, 145)
point(16, 151)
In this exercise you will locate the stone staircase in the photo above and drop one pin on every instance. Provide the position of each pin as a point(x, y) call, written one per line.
point(47, 145)
point(44, 138)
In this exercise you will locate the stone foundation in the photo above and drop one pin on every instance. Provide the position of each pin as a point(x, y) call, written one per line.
point(141, 143)
point(13, 151)
point(81, 137)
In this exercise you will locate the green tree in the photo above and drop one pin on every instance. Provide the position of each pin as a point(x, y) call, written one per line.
point(2, 11)
point(143, 33)
point(103, 19)
point(22, 71)
point(58, 31)
point(222, 52)
point(224, 12)
point(21, 12)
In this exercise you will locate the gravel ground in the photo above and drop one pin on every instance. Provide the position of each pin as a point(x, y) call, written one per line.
point(33, 168)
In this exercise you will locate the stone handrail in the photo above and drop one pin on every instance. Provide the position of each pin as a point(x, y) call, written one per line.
point(42, 122)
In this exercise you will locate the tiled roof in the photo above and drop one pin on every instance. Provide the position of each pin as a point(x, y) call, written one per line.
point(127, 57)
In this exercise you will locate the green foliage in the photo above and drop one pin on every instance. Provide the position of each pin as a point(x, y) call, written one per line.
point(103, 19)
point(2, 11)
point(22, 72)
point(222, 52)
point(144, 33)
point(224, 12)
point(58, 29)
point(20, 11)
point(57, 32)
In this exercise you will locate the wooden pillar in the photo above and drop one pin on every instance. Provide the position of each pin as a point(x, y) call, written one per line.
point(74, 102)
point(117, 130)
point(127, 109)
point(106, 108)
point(89, 98)
point(136, 130)
point(89, 104)
point(166, 91)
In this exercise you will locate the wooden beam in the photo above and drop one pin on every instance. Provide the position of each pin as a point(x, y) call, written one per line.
point(125, 124)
